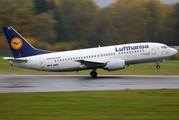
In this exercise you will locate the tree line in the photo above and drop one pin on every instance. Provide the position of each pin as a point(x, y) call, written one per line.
point(73, 24)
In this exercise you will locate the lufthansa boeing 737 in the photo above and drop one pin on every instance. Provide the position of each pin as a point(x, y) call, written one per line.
point(108, 58)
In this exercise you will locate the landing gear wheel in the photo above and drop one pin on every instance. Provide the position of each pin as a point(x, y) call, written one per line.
point(158, 66)
point(93, 74)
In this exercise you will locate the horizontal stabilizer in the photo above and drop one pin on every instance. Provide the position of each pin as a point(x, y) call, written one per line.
point(14, 59)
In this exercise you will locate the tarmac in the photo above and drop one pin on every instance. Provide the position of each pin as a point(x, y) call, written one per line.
point(62, 83)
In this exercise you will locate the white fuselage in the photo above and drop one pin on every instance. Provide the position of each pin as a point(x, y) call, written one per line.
point(68, 61)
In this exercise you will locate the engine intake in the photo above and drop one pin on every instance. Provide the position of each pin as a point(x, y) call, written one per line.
point(115, 65)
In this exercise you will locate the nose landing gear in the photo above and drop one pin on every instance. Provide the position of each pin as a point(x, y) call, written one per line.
point(93, 74)
point(158, 66)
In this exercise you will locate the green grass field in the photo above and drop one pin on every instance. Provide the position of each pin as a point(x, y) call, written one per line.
point(170, 67)
point(95, 105)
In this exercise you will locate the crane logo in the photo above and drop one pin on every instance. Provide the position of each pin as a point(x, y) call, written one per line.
point(16, 43)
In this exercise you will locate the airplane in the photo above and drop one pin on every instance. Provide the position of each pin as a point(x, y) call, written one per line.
point(109, 58)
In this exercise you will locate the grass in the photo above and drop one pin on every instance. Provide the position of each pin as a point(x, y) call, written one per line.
point(94, 105)
point(170, 67)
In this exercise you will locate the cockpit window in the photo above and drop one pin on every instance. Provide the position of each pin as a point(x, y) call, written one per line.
point(164, 47)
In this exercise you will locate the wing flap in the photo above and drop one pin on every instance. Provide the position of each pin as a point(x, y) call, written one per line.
point(91, 63)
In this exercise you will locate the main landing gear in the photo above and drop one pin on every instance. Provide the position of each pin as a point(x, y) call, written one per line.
point(93, 73)
point(158, 66)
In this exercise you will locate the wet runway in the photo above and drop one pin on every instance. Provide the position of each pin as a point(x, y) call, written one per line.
point(49, 83)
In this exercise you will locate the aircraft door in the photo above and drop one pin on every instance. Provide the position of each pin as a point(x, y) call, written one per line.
point(42, 63)
point(153, 50)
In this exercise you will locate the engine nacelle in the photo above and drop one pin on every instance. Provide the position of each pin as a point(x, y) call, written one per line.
point(115, 65)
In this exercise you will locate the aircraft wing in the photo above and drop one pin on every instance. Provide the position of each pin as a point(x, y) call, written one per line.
point(91, 63)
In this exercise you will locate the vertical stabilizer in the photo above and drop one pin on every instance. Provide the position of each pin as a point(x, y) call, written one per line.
point(19, 46)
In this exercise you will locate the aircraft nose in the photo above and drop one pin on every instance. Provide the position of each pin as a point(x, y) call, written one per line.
point(174, 51)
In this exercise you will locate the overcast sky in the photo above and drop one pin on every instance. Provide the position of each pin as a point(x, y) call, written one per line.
point(104, 3)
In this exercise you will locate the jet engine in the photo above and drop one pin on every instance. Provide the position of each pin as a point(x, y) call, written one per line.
point(115, 65)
